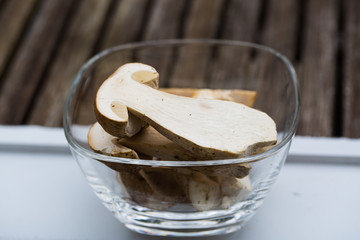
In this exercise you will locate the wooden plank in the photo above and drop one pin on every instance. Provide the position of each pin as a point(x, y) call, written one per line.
point(317, 70)
point(202, 22)
point(204, 19)
point(2, 5)
point(241, 20)
point(128, 13)
point(164, 22)
point(351, 96)
point(130, 17)
point(126, 24)
point(275, 84)
point(281, 26)
point(13, 17)
point(76, 48)
point(31, 60)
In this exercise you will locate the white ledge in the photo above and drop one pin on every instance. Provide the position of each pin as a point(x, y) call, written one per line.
point(312, 149)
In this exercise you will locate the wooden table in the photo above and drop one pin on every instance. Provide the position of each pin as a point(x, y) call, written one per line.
point(43, 43)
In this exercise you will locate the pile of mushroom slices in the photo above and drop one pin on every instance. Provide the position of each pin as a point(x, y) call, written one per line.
point(135, 120)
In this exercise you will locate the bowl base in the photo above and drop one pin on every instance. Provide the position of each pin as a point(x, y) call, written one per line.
point(184, 232)
point(151, 225)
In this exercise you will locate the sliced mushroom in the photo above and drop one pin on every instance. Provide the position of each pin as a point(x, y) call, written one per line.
point(153, 188)
point(210, 128)
point(246, 97)
point(263, 149)
point(102, 142)
point(124, 123)
point(141, 192)
point(204, 192)
point(233, 189)
point(234, 170)
point(136, 186)
point(152, 143)
point(165, 183)
point(185, 92)
point(233, 95)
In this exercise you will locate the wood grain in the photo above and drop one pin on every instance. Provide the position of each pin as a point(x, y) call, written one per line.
point(43, 43)
point(13, 19)
point(317, 70)
point(351, 96)
point(164, 20)
point(127, 23)
point(202, 22)
point(164, 23)
point(76, 48)
point(31, 60)
point(241, 20)
point(126, 26)
point(276, 76)
point(284, 13)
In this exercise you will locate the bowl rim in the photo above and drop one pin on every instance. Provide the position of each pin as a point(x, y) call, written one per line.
point(75, 146)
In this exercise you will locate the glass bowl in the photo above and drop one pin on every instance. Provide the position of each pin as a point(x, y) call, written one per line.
point(162, 201)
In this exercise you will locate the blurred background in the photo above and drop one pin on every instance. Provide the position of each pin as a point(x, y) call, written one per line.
point(43, 44)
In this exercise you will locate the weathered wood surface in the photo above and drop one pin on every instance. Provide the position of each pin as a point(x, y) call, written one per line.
point(78, 45)
point(44, 43)
point(317, 70)
point(13, 18)
point(236, 12)
point(200, 23)
point(31, 61)
point(351, 77)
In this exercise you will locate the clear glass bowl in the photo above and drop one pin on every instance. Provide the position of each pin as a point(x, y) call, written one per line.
point(215, 64)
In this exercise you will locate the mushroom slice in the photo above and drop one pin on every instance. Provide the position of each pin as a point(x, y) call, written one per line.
point(246, 97)
point(185, 92)
point(210, 128)
point(152, 143)
point(102, 142)
point(234, 95)
point(204, 192)
point(234, 170)
point(233, 189)
point(136, 186)
point(165, 183)
point(123, 123)
point(141, 192)
point(263, 149)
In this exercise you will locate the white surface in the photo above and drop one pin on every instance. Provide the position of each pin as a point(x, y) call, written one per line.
point(302, 149)
point(44, 196)
point(32, 136)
